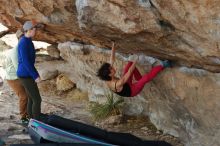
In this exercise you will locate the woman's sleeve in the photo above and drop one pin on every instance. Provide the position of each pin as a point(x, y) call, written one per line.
point(14, 57)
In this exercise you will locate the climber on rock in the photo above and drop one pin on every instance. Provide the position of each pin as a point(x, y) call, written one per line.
point(125, 86)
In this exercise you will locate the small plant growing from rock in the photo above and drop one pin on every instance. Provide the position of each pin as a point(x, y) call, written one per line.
point(111, 107)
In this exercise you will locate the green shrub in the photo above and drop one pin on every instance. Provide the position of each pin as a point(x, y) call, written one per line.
point(112, 106)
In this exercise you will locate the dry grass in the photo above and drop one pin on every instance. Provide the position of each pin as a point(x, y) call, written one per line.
point(112, 106)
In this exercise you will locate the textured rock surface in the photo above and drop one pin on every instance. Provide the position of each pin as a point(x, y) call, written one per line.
point(181, 101)
point(53, 51)
point(181, 30)
point(46, 74)
point(63, 83)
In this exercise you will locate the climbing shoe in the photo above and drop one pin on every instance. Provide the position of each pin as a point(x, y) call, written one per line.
point(166, 63)
point(2, 142)
point(24, 121)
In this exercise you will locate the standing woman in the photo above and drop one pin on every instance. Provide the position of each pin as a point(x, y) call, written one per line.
point(10, 66)
point(27, 72)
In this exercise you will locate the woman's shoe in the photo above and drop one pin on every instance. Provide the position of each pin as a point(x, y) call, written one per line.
point(2, 142)
point(166, 63)
point(24, 121)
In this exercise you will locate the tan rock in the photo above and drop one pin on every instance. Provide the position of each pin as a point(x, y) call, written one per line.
point(47, 74)
point(53, 51)
point(64, 83)
point(77, 94)
point(184, 31)
point(1, 81)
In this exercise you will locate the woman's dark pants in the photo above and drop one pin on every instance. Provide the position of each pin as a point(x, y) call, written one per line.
point(34, 98)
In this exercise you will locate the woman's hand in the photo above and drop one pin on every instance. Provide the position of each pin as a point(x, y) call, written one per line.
point(113, 45)
point(37, 80)
point(112, 58)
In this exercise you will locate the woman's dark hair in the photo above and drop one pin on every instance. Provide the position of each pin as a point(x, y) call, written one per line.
point(104, 71)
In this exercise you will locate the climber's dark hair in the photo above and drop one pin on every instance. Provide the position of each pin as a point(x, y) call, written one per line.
point(104, 71)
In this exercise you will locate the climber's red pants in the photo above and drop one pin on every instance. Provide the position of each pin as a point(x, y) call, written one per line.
point(141, 80)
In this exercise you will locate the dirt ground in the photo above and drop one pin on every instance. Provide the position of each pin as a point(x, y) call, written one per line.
point(70, 106)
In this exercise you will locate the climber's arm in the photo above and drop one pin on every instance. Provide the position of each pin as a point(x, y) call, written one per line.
point(112, 58)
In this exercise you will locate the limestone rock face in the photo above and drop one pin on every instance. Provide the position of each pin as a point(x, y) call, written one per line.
point(181, 101)
point(1, 81)
point(46, 74)
point(184, 31)
point(53, 51)
point(64, 83)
